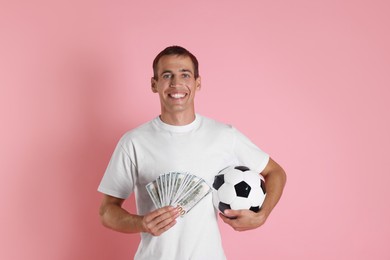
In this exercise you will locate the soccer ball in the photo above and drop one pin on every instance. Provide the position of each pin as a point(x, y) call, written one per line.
point(238, 188)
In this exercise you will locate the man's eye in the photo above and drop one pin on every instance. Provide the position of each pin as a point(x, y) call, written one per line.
point(166, 76)
point(186, 75)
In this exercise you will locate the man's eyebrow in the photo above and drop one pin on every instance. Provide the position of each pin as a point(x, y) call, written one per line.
point(181, 70)
point(186, 70)
point(166, 71)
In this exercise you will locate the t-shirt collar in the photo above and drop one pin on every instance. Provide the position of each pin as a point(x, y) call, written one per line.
point(179, 129)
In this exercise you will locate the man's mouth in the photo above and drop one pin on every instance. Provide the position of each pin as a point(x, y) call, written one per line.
point(177, 95)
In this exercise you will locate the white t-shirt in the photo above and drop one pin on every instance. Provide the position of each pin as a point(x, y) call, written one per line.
point(202, 148)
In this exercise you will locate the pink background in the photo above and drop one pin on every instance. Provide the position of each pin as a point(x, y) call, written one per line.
point(308, 81)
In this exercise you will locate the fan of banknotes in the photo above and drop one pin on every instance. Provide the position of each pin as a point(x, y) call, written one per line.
point(177, 189)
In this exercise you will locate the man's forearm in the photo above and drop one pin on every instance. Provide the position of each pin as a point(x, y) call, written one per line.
point(117, 218)
point(275, 181)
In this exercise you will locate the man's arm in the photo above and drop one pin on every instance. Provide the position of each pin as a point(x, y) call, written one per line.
point(275, 179)
point(115, 217)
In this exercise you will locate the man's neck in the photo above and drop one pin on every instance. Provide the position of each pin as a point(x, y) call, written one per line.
point(178, 119)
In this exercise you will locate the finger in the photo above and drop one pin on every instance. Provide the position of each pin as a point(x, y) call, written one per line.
point(234, 219)
point(158, 212)
point(160, 218)
point(232, 213)
point(227, 220)
point(234, 223)
point(165, 219)
point(223, 217)
point(166, 227)
point(239, 229)
point(162, 221)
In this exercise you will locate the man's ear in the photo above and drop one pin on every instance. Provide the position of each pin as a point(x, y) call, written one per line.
point(153, 85)
point(198, 83)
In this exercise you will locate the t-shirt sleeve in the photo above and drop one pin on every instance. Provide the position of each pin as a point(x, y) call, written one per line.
point(248, 154)
point(118, 177)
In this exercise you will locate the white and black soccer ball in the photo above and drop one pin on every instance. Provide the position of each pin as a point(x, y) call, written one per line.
point(237, 187)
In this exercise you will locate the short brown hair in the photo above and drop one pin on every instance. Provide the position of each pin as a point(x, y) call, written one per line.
point(176, 50)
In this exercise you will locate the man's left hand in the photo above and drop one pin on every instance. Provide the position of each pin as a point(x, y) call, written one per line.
point(242, 220)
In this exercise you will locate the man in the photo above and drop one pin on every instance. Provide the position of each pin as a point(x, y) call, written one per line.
point(179, 140)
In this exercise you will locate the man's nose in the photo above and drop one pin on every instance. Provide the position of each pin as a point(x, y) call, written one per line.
point(175, 81)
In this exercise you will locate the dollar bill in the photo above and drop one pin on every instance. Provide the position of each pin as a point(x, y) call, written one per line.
point(192, 198)
point(177, 189)
point(154, 194)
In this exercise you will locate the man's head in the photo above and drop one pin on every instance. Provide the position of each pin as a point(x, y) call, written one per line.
point(176, 80)
point(178, 51)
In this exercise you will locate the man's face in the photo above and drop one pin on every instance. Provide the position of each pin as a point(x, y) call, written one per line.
point(176, 84)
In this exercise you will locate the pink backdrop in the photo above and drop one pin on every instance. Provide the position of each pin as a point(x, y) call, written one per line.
point(308, 81)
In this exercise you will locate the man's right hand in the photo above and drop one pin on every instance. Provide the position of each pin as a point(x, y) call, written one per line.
point(117, 218)
point(160, 220)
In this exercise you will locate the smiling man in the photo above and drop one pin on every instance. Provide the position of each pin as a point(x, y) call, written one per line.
point(176, 83)
point(179, 140)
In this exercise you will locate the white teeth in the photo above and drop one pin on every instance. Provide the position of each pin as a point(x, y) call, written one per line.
point(177, 95)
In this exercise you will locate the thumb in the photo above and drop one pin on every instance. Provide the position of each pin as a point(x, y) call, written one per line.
point(231, 213)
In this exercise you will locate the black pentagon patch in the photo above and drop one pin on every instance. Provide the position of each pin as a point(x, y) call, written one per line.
point(262, 185)
point(242, 189)
point(255, 209)
point(242, 168)
point(218, 181)
point(222, 206)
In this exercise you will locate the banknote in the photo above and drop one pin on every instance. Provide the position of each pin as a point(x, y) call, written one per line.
point(154, 194)
point(178, 189)
point(192, 198)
